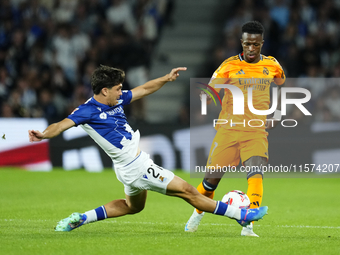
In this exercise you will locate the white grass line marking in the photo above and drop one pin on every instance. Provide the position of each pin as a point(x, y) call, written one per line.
point(180, 224)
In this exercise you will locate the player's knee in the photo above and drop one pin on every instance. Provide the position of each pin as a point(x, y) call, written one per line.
point(256, 161)
point(254, 166)
point(134, 210)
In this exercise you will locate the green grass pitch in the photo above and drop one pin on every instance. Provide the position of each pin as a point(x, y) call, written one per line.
point(304, 218)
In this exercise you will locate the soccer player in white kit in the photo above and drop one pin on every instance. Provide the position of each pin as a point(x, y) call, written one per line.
point(103, 118)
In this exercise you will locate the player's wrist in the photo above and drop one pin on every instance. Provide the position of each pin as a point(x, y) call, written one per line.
point(169, 77)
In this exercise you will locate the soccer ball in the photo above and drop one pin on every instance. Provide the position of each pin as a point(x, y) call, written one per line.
point(236, 198)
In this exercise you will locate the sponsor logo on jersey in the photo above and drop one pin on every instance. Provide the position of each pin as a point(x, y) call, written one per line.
point(254, 81)
point(115, 110)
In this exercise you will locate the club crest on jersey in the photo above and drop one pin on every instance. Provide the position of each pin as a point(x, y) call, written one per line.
point(265, 71)
point(120, 101)
point(103, 116)
point(162, 179)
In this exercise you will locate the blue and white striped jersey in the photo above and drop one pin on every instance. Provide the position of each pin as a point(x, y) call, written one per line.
point(109, 128)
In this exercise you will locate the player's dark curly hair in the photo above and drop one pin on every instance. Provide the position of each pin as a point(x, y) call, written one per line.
point(253, 27)
point(106, 77)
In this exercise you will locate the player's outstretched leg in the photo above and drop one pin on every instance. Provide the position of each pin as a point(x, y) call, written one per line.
point(180, 188)
point(245, 217)
point(115, 208)
point(249, 215)
point(207, 189)
point(75, 220)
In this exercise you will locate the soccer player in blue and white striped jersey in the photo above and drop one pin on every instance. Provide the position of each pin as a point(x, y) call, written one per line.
point(103, 118)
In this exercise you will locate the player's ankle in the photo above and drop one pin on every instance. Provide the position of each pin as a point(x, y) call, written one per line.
point(227, 210)
point(96, 215)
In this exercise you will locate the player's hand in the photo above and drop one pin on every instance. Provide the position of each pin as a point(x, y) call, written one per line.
point(209, 99)
point(174, 73)
point(35, 136)
point(271, 123)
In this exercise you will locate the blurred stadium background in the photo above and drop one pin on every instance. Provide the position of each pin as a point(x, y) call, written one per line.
point(49, 48)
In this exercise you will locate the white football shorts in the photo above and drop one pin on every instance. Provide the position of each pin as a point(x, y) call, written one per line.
point(143, 174)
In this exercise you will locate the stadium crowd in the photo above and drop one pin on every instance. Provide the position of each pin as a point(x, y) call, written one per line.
point(49, 48)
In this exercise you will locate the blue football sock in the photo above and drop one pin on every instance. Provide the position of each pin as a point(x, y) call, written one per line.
point(101, 213)
point(221, 208)
point(226, 210)
point(96, 214)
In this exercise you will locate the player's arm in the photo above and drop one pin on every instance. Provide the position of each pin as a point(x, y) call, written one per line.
point(279, 80)
point(274, 121)
point(154, 85)
point(51, 131)
point(215, 79)
point(209, 99)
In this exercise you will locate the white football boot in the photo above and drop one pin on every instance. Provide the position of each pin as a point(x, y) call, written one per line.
point(193, 222)
point(248, 231)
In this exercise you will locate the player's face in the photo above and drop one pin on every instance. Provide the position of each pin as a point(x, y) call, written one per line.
point(252, 45)
point(113, 94)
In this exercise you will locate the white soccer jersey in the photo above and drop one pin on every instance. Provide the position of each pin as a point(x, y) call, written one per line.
point(109, 128)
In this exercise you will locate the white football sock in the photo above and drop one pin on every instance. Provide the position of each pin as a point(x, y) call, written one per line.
point(91, 216)
point(233, 212)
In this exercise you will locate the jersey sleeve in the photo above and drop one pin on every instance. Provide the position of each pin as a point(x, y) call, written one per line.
point(80, 115)
point(220, 76)
point(126, 97)
point(280, 76)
